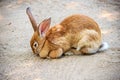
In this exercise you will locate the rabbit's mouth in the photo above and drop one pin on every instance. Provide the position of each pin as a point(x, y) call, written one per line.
point(37, 54)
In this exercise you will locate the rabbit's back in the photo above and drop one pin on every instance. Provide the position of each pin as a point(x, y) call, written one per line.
point(77, 23)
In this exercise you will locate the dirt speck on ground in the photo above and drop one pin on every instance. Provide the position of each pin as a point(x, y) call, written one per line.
point(17, 61)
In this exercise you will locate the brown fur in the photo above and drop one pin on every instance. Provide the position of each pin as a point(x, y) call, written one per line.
point(77, 31)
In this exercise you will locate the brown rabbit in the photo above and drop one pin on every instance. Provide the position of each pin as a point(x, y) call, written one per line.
point(77, 33)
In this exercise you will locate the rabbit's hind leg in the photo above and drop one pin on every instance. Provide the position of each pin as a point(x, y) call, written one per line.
point(92, 49)
point(90, 42)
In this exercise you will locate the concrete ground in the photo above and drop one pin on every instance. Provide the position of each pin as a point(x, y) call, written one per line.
point(17, 61)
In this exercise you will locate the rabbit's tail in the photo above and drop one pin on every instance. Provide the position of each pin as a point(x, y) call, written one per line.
point(104, 46)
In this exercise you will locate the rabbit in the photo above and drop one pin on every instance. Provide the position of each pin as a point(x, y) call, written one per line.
point(77, 33)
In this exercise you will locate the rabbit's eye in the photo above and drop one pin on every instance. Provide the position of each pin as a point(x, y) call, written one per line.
point(35, 45)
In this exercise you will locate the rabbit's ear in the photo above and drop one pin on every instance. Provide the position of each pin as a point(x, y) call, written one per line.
point(32, 20)
point(44, 26)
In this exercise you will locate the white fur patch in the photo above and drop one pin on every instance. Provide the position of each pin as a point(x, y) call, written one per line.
point(92, 51)
point(69, 53)
point(105, 46)
point(78, 48)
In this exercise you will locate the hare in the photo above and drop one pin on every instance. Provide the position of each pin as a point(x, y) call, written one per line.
point(77, 33)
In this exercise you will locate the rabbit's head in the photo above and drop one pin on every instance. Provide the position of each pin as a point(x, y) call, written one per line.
point(38, 38)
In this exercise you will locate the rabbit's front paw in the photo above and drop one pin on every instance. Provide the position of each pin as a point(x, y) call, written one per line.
point(56, 53)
